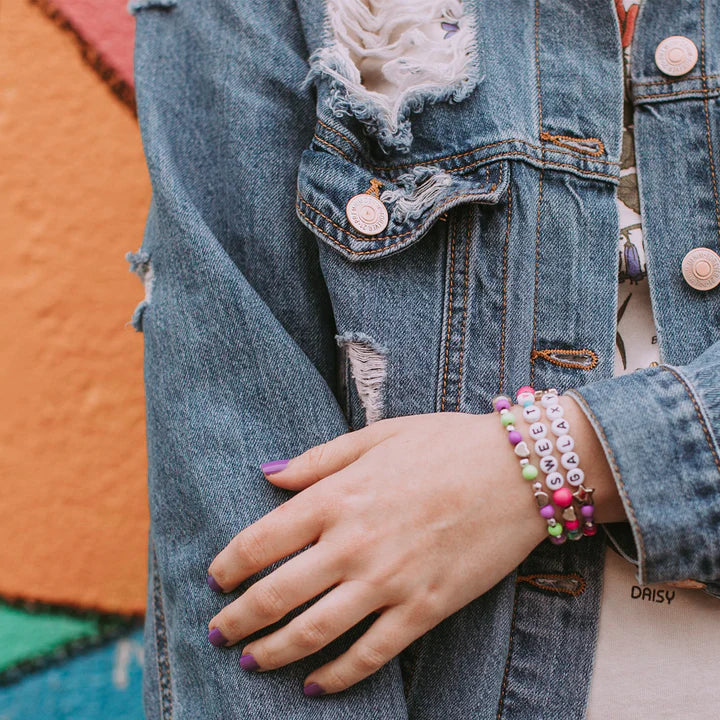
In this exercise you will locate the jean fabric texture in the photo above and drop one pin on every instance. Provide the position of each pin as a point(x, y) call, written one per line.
point(497, 268)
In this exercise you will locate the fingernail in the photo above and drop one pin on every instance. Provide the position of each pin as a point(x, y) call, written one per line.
point(313, 690)
point(216, 637)
point(213, 583)
point(274, 466)
point(248, 662)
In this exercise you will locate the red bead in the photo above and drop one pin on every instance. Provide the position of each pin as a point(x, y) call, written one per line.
point(524, 389)
point(572, 524)
point(563, 497)
point(590, 529)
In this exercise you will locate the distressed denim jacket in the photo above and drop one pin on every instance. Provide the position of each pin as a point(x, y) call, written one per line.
point(272, 322)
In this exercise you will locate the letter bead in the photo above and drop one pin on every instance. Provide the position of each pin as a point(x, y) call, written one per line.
point(555, 480)
point(548, 464)
point(575, 476)
point(538, 430)
point(548, 399)
point(532, 413)
point(565, 443)
point(570, 460)
point(543, 447)
point(554, 412)
point(560, 427)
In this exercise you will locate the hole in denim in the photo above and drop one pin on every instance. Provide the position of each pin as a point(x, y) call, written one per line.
point(140, 264)
point(419, 190)
point(368, 366)
point(386, 58)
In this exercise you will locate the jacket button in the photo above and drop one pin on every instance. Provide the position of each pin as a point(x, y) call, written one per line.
point(366, 214)
point(701, 268)
point(676, 55)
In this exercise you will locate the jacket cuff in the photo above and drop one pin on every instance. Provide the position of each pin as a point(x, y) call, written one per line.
point(658, 429)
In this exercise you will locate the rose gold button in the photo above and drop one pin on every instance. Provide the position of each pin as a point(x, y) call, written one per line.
point(366, 214)
point(701, 268)
point(676, 55)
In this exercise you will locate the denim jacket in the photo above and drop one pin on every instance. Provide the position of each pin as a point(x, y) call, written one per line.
point(273, 321)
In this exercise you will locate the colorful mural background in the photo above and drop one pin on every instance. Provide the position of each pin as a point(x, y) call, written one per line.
point(73, 510)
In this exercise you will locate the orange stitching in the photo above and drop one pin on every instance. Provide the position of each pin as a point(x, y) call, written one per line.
point(698, 412)
point(546, 355)
point(565, 140)
point(616, 470)
point(707, 116)
point(504, 308)
point(531, 580)
point(374, 188)
point(670, 82)
point(450, 310)
point(337, 132)
point(503, 687)
point(678, 92)
point(329, 144)
point(465, 308)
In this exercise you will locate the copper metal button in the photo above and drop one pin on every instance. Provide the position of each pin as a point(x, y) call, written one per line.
point(701, 268)
point(366, 214)
point(676, 55)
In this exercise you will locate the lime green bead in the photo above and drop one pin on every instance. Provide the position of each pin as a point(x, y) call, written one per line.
point(529, 472)
point(507, 419)
point(555, 530)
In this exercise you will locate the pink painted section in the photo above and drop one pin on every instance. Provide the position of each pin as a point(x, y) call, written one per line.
point(107, 26)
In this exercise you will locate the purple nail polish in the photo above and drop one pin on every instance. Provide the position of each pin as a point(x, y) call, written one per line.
point(313, 690)
point(216, 637)
point(248, 662)
point(213, 583)
point(274, 466)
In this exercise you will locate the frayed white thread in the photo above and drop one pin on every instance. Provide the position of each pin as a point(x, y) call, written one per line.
point(419, 190)
point(368, 365)
point(388, 57)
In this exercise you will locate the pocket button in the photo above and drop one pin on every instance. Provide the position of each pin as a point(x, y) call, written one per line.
point(366, 214)
point(676, 55)
point(701, 268)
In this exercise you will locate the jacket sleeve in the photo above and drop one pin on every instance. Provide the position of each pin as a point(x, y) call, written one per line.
point(237, 327)
point(660, 428)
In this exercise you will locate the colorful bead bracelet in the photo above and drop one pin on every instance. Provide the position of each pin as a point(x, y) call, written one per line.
point(562, 496)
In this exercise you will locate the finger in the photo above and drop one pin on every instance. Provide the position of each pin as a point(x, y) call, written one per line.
point(269, 599)
point(279, 533)
point(387, 637)
point(324, 621)
point(325, 459)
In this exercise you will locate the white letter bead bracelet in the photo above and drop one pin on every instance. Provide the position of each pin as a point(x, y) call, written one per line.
point(557, 480)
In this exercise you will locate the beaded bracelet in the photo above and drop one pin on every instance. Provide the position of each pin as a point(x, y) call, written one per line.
point(569, 460)
point(502, 403)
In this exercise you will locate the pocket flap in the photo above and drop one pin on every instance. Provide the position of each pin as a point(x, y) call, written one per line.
point(414, 198)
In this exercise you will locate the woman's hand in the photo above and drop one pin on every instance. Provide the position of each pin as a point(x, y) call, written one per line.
point(413, 517)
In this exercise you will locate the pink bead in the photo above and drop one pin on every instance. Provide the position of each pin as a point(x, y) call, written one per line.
point(563, 497)
point(589, 529)
point(587, 510)
point(572, 524)
point(502, 404)
point(523, 389)
point(514, 437)
point(547, 511)
point(559, 540)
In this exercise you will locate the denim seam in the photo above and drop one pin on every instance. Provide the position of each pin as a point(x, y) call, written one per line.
point(540, 191)
point(329, 144)
point(562, 140)
point(684, 79)
point(463, 326)
point(503, 687)
point(503, 322)
point(700, 91)
point(163, 659)
point(448, 335)
point(698, 411)
point(391, 168)
point(610, 455)
point(707, 115)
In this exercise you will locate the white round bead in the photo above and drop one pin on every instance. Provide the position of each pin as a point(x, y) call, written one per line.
point(554, 412)
point(565, 443)
point(522, 397)
point(548, 464)
point(538, 430)
point(560, 427)
point(532, 413)
point(548, 399)
point(575, 476)
point(570, 460)
point(543, 447)
point(555, 480)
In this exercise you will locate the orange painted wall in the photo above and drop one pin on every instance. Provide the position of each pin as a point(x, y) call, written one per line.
point(74, 193)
